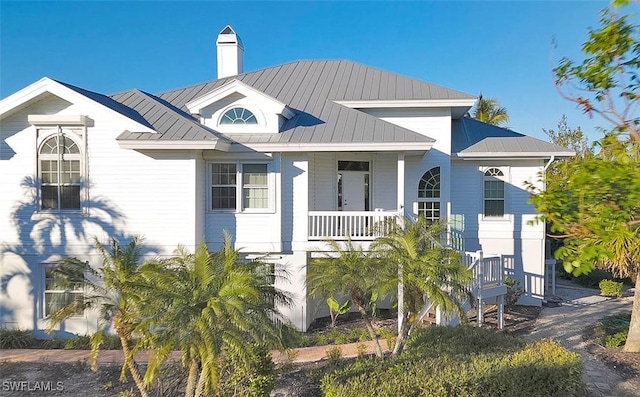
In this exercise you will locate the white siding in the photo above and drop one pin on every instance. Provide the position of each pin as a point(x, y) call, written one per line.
point(521, 243)
point(436, 124)
point(128, 193)
point(322, 178)
point(385, 181)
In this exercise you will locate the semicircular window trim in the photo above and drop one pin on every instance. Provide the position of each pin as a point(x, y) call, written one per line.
point(238, 115)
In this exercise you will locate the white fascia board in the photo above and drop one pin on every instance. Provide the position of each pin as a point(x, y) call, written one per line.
point(57, 119)
point(512, 156)
point(196, 105)
point(158, 144)
point(336, 147)
point(410, 103)
point(46, 84)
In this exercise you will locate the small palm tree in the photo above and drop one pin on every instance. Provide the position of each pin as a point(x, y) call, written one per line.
point(110, 289)
point(206, 305)
point(431, 275)
point(488, 110)
point(351, 272)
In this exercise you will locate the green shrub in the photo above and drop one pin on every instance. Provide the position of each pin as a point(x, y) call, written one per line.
point(15, 339)
point(610, 288)
point(334, 355)
point(514, 291)
point(79, 342)
point(615, 340)
point(436, 364)
point(612, 330)
point(254, 379)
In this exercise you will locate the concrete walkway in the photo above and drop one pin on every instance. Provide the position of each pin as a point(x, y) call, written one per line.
point(579, 309)
point(300, 355)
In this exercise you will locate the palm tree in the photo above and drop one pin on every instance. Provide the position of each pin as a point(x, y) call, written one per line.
point(351, 272)
point(431, 275)
point(112, 290)
point(488, 110)
point(206, 305)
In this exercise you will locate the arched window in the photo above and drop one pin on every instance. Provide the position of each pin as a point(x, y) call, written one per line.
point(238, 116)
point(59, 161)
point(493, 192)
point(429, 195)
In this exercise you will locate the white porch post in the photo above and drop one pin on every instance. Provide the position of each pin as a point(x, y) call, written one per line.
point(401, 212)
point(501, 312)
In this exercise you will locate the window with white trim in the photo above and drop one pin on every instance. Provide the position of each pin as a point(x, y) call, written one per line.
point(429, 195)
point(238, 115)
point(251, 193)
point(59, 163)
point(60, 292)
point(494, 197)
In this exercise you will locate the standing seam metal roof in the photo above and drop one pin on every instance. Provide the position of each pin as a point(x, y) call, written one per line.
point(310, 87)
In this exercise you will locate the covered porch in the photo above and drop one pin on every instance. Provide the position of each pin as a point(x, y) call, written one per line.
point(355, 196)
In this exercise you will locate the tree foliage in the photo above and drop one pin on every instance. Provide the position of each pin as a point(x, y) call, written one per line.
point(596, 206)
point(488, 110)
point(432, 275)
point(607, 81)
point(112, 290)
point(210, 305)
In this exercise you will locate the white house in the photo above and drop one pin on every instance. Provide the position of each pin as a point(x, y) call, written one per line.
point(282, 158)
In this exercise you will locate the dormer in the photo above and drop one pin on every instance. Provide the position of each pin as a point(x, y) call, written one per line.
point(236, 107)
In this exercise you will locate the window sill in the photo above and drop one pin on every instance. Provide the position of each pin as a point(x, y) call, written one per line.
point(245, 212)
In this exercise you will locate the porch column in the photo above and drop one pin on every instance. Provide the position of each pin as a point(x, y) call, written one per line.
point(401, 183)
point(400, 209)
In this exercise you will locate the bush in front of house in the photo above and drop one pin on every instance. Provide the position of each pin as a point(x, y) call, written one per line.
point(610, 288)
point(463, 361)
point(15, 339)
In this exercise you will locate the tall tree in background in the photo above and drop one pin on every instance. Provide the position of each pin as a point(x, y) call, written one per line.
point(488, 110)
point(571, 138)
point(596, 209)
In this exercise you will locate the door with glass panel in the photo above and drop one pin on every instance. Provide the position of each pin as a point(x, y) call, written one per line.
point(353, 195)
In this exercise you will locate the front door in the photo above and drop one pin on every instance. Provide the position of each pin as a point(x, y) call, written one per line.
point(353, 186)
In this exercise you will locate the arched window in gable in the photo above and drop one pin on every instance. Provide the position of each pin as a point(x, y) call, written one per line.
point(238, 115)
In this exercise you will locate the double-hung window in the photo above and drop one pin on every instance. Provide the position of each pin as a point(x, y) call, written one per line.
point(239, 186)
point(59, 292)
point(494, 196)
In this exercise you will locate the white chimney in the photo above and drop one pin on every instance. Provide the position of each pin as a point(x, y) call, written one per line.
point(230, 53)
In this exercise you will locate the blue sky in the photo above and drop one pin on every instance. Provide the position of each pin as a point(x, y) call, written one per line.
point(502, 49)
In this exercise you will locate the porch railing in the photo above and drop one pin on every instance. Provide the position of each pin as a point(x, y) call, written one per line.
point(356, 225)
point(488, 271)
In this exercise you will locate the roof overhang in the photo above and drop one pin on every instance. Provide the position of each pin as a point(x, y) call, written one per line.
point(173, 144)
point(458, 106)
point(410, 148)
point(236, 86)
point(58, 119)
point(512, 156)
point(45, 85)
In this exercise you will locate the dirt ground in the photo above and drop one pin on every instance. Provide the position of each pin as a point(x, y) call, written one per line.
point(55, 379)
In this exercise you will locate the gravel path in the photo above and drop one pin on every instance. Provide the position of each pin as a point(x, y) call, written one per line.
point(580, 309)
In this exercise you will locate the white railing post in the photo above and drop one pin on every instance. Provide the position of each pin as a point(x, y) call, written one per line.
point(480, 265)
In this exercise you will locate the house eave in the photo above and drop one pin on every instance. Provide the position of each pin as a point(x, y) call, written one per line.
point(512, 155)
point(407, 147)
point(174, 144)
point(411, 103)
